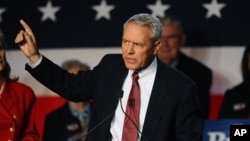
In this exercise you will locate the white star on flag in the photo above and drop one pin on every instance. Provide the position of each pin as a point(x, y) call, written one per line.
point(214, 8)
point(103, 10)
point(158, 9)
point(49, 11)
point(2, 10)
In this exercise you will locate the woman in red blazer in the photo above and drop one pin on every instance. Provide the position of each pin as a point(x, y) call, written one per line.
point(17, 106)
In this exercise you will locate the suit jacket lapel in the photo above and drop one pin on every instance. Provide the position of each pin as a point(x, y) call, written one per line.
point(120, 78)
point(157, 101)
point(120, 74)
point(9, 100)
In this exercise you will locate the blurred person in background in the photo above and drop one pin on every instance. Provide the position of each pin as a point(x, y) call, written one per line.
point(236, 101)
point(173, 39)
point(69, 122)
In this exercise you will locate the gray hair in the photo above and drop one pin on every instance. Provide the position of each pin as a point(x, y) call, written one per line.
point(148, 20)
point(171, 21)
point(74, 63)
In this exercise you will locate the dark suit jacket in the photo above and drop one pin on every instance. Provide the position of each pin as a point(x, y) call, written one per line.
point(172, 115)
point(61, 124)
point(236, 103)
point(200, 74)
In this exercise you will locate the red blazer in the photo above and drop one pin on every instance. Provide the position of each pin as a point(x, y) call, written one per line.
point(17, 111)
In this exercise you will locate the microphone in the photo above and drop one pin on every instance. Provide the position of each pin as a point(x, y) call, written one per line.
point(119, 96)
point(131, 102)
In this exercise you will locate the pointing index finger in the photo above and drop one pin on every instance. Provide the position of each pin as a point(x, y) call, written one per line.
point(28, 29)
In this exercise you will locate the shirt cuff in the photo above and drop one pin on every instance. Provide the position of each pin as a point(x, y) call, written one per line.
point(37, 63)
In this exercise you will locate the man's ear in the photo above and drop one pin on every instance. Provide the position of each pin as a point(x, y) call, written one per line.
point(156, 46)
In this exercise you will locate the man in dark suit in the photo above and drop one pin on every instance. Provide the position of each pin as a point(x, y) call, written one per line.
point(169, 108)
point(173, 38)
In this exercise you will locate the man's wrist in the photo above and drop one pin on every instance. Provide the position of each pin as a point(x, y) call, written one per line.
point(36, 63)
point(34, 58)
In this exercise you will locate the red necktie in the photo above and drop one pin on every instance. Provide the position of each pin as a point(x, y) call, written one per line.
point(131, 121)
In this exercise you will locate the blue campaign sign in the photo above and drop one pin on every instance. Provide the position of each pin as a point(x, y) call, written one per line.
point(219, 130)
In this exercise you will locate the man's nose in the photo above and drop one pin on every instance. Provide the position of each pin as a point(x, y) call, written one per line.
point(131, 48)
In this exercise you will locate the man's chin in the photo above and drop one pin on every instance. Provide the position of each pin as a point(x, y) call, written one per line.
point(131, 67)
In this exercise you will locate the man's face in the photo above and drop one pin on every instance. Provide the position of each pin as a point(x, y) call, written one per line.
point(137, 47)
point(172, 41)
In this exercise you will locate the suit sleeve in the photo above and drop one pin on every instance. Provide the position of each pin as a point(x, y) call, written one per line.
point(70, 86)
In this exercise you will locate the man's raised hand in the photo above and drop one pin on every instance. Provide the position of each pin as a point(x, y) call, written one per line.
point(26, 40)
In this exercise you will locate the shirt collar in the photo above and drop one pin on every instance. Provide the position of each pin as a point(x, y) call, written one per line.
point(151, 68)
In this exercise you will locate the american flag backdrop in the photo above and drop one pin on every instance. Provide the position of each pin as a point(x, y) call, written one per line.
point(217, 30)
point(95, 23)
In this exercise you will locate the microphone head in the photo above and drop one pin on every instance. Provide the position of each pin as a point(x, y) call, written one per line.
point(120, 94)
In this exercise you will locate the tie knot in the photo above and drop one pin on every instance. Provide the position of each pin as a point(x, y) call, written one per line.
point(135, 75)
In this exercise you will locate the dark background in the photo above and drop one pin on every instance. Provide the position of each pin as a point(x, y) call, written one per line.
point(76, 25)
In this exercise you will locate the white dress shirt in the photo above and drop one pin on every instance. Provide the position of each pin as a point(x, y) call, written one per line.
point(146, 81)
